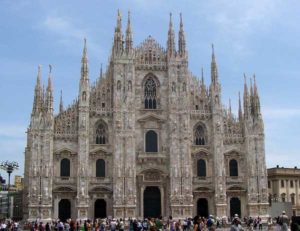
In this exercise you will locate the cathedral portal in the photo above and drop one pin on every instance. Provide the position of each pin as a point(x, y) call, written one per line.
point(152, 202)
point(64, 209)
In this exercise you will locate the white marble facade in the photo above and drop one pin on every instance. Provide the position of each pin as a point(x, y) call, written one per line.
point(146, 124)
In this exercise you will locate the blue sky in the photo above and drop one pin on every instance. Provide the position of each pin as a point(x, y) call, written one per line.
point(260, 37)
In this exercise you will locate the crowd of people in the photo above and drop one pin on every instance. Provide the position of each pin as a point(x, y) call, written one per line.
point(282, 223)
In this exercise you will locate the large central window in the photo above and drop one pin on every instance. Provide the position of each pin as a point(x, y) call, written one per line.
point(101, 134)
point(150, 94)
point(199, 135)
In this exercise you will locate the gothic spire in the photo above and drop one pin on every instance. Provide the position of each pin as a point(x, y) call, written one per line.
point(49, 94)
point(203, 87)
point(246, 99)
point(84, 63)
point(37, 101)
point(61, 105)
point(128, 35)
point(101, 73)
point(240, 108)
point(214, 68)
point(181, 40)
point(118, 37)
point(256, 98)
point(229, 109)
point(171, 39)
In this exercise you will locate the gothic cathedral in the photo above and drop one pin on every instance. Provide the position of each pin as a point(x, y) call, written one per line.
point(146, 139)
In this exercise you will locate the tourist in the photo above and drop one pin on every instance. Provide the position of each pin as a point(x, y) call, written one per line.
point(152, 225)
point(113, 225)
point(145, 224)
point(284, 221)
point(236, 224)
point(159, 224)
point(210, 224)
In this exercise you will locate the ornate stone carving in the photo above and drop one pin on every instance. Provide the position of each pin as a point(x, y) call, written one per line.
point(152, 176)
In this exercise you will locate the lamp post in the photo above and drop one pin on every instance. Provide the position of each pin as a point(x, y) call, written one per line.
point(9, 167)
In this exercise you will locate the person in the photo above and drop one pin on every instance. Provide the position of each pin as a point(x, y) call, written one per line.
point(47, 226)
point(113, 225)
point(145, 224)
point(236, 224)
point(284, 221)
point(159, 224)
point(121, 225)
point(210, 223)
point(152, 225)
point(197, 224)
point(294, 226)
point(259, 223)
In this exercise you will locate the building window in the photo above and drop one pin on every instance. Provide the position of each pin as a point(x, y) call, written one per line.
point(269, 184)
point(233, 168)
point(201, 168)
point(151, 141)
point(65, 167)
point(292, 184)
point(199, 135)
point(101, 134)
point(282, 183)
point(150, 94)
point(100, 168)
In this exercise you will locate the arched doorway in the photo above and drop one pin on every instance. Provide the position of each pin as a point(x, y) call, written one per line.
point(64, 209)
point(152, 202)
point(202, 207)
point(235, 206)
point(100, 208)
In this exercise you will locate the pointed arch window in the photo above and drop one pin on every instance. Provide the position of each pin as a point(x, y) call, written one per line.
point(65, 167)
point(150, 97)
point(201, 168)
point(199, 135)
point(233, 168)
point(151, 141)
point(100, 168)
point(101, 134)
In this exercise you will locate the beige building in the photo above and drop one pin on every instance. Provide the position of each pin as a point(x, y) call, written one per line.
point(284, 186)
point(18, 183)
point(148, 138)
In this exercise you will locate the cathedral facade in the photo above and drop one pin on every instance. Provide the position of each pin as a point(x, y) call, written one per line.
point(148, 138)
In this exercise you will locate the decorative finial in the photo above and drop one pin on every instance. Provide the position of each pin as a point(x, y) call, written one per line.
point(50, 68)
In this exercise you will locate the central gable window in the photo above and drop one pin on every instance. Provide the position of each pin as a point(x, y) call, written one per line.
point(101, 134)
point(150, 96)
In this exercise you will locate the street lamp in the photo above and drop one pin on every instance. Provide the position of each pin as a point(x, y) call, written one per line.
point(9, 167)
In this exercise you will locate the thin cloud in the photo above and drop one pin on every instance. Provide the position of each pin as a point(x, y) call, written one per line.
point(68, 32)
point(237, 22)
point(63, 27)
point(12, 131)
point(278, 113)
